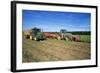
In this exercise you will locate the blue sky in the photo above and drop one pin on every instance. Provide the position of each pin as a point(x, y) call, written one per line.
point(52, 21)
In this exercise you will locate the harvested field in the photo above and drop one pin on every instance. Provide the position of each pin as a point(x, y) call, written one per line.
point(54, 50)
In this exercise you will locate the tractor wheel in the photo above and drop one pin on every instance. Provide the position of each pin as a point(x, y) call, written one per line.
point(66, 39)
point(27, 37)
point(35, 38)
point(31, 38)
point(58, 38)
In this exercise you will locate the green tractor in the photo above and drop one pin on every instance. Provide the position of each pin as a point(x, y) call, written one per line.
point(36, 34)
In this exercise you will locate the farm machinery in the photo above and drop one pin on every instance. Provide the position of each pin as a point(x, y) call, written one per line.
point(64, 35)
point(35, 34)
point(69, 37)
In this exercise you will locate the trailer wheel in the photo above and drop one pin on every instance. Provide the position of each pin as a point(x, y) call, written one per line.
point(35, 38)
point(58, 38)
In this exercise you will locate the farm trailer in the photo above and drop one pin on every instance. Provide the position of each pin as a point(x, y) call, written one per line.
point(62, 36)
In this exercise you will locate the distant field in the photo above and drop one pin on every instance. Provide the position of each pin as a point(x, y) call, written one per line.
point(85, 38)
point(55, 50)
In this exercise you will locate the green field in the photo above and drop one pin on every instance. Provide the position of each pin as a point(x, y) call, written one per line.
point(55, 50)
point(86, 38)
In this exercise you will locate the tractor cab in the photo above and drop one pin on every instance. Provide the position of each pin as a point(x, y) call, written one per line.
point(36, 34)
point(35, 31)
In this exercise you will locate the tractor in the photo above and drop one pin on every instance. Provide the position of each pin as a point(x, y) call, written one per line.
point(36, 34)
point(64, 35)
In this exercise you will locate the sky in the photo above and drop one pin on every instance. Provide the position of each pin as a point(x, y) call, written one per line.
point(54, 21)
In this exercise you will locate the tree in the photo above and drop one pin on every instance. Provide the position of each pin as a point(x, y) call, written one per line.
point(63, 30)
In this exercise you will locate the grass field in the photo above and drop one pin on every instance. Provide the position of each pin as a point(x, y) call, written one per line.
point(86, 38)
point(55, 50)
